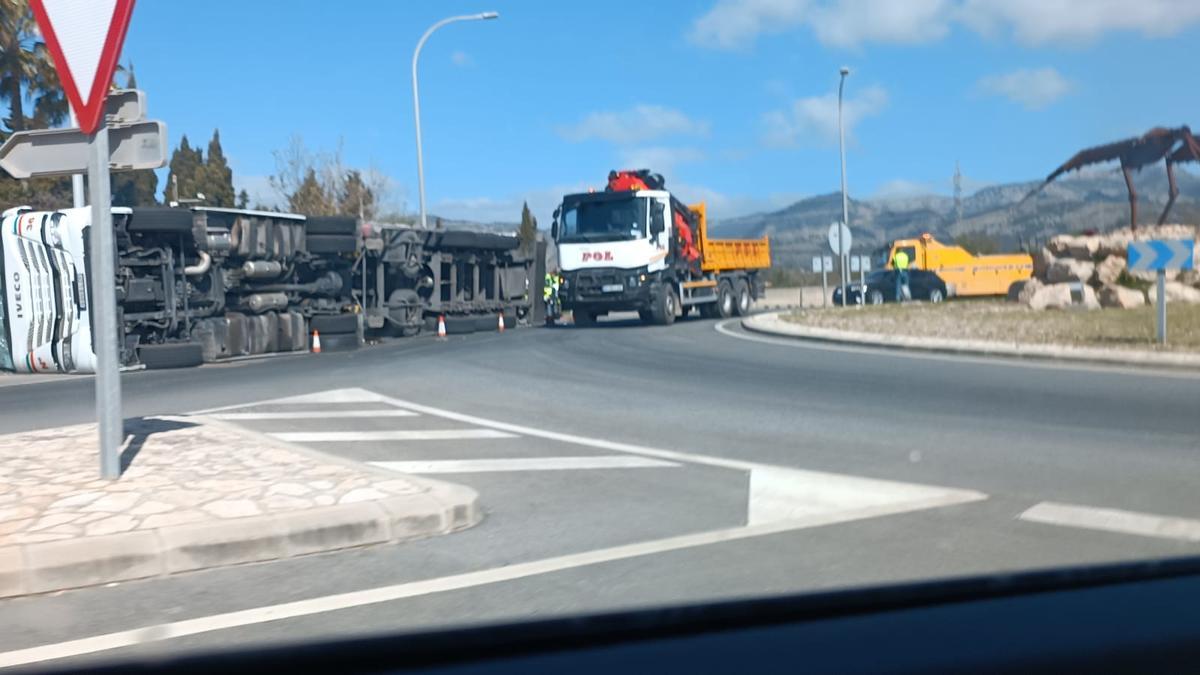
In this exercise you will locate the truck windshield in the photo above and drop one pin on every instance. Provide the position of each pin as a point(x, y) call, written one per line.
point(609, 220)
point(6, 360)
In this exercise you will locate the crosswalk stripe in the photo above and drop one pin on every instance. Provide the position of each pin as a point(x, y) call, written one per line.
point(390, 435)
point(312, 414)
point(1114, 520)
point(525, 464)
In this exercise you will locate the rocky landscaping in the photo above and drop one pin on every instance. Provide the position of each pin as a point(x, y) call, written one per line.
point(1089, 272)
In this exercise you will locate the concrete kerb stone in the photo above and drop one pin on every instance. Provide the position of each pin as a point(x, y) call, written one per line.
point(772, 324)
point(438, 508)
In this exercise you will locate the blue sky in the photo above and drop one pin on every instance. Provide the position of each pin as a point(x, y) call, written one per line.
point(733, 100)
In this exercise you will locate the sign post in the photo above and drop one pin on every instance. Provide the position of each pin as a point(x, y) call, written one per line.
point(839, 243)
point(1160, 255)
point(84, 38)
point(824, 265)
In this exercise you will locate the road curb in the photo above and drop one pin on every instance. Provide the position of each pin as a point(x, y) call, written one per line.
point(770, 324)
point(437, 508)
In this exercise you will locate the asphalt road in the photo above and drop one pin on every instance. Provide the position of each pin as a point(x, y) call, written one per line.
point(990, 465)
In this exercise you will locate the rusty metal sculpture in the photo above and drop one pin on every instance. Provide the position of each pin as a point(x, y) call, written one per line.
point(1170, 145)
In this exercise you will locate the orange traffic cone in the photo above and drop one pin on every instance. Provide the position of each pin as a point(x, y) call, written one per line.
point(500, 321)
point(316, 342)
point(441, 326)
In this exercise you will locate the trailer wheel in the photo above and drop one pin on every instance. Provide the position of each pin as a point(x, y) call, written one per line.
point(171, 355)
point(742, 296)
point(725, 300)
point(343, 342)
point(335, 324)
point(331, 243)
point(663, 304)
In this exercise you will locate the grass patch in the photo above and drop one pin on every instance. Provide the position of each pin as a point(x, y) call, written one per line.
point(1011, 322)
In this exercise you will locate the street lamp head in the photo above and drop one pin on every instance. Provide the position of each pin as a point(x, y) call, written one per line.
point(844, 71)
point(489, 15)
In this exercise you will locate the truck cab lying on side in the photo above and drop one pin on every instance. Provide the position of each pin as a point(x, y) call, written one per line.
point(635, 247)
point(201, 284)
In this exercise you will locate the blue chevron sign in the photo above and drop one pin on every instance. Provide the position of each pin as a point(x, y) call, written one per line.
point(1161, 254)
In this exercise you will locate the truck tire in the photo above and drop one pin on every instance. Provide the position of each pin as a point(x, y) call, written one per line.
point(239, 334)
point(160, 219)
point(331, 243)
point(343, 342)
point(334, 324)
point(645, 315)
point(663, 304)
point(171, 355)
point(709, 310)
point(487, 323)
point(726, 300)
point(342, 225)
point(742, 299)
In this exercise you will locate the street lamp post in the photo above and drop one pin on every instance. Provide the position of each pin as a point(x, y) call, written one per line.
point(845, 202)
point(417, 99)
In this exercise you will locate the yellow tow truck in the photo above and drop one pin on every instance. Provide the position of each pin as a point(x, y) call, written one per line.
point(965, 274)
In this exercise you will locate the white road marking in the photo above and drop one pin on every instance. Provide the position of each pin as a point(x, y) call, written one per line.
point(1114, 520)
point(1006, 361)
point(312, 414)
point(525, 464)
point(371, 596)
point(388, 435)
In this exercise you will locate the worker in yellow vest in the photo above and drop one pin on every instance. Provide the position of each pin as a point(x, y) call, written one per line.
point(900, 264)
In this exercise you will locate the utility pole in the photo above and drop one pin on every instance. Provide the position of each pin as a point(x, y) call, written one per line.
point(845, 201)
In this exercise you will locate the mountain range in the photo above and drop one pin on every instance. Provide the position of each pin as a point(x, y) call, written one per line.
point(1091, 200)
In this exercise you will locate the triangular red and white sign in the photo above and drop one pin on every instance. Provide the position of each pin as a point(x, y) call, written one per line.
point(84, 38)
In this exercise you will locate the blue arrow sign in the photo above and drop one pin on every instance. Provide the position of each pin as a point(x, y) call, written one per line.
point(1161, 254)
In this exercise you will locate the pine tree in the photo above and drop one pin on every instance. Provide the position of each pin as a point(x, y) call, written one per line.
point(528, 232)
point(310, 198)
point(357, 198)
point(186, 166)
point(215, 178)
point(134, 188)
point(243, 199)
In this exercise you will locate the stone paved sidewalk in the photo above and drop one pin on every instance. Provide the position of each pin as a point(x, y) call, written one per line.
point(190, 482)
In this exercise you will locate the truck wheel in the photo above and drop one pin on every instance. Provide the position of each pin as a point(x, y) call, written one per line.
point(171, 355)
point(725, 300)
point(709, 310)
point(645, 315)
point(335, 324)
point(584, 318)
point(741, 294)
point(663, 304)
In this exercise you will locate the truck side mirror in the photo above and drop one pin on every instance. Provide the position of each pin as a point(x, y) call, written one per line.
point(657, 226)
point(554, 230)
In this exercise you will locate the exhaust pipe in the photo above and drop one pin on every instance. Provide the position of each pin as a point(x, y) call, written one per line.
point(199, 268)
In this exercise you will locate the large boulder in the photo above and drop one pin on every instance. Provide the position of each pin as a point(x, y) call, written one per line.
point(1028, 290)
point(1112, 295)
point(1176, 292)
point(1087, 298)
point(1069, 269)
point(1042, 258)
point(1077, 247)
point(1108, 270)
point(1189, 277)
point(1051, 296)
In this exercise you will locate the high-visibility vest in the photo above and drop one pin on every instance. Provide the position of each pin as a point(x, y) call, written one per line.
point(901, 260)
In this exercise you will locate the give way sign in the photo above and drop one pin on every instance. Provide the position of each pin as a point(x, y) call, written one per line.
point(84, 38)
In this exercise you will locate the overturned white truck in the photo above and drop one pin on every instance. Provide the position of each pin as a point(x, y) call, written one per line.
point(202, 284)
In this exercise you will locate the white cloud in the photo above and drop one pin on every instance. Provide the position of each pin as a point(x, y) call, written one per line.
point(815, 118)
point(736, 23)
point(659, 158)
point(638, 124)
point(1033, 89)
point(1048, 21)
point(900, 187)
point(461, 59)
point(733, 24)
point(853, 22)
